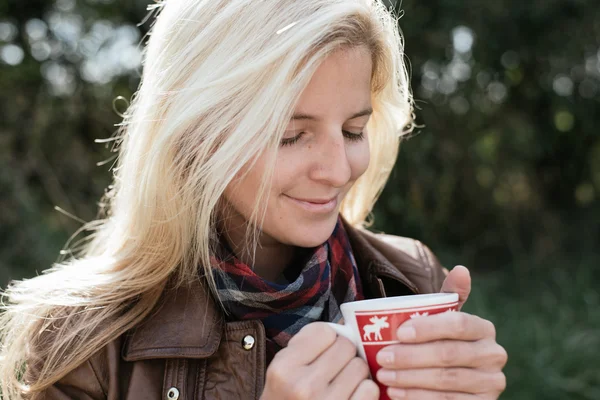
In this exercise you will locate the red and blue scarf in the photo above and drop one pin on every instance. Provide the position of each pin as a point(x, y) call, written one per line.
point(325, 277)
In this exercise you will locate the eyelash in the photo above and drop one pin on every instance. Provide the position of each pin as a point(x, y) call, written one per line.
point(353, 137)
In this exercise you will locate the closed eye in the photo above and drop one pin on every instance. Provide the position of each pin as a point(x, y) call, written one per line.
point(292, 140)
point(354, 137)
point(350, 136)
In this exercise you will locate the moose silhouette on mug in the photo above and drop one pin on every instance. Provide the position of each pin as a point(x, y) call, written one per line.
point(377, 325)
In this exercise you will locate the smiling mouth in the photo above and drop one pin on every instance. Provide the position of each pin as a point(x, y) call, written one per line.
point(315, 205)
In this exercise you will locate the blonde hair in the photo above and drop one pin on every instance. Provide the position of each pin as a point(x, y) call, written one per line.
point(220, 82)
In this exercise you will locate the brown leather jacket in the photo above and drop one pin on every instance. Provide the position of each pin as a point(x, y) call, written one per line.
point(186, 350)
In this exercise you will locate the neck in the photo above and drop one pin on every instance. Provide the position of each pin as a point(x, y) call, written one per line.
point(270, 258)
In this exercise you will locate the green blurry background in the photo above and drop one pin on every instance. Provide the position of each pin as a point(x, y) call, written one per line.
point(503, 174)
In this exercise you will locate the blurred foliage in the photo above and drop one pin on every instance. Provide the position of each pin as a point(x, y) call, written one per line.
point(502, 174)
point(61, 66)
point(508, 161)
point(547, 319)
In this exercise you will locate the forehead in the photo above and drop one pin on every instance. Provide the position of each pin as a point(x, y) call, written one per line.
point(340, 85)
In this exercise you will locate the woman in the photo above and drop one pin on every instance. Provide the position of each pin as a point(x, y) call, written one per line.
point(222, 246)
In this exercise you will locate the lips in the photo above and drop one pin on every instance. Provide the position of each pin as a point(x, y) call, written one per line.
point(316, 201)
point(316, 205)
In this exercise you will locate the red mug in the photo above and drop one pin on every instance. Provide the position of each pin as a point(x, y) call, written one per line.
point(371, 324)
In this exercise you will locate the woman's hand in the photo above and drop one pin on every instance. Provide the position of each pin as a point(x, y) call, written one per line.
point(452, 355)
point(317, 364)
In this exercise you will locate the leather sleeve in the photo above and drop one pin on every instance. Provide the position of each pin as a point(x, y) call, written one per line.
point(438, 272)
point(81, 384)
point(88, 381)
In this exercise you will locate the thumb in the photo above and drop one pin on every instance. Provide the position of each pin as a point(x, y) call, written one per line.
point(458, 281)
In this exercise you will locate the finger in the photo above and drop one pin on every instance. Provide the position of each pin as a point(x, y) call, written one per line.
point(464, 380)
point(447, 325)
point(484, 353)
point(309, 343)
point(419, 394)
point(366, 390)
point(458, 281)
point(348, 380)
point(333, 360)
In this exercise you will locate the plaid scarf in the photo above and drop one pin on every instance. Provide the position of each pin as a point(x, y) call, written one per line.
point(312, 289)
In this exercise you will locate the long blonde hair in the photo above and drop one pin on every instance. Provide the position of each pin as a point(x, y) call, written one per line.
point(219, 86)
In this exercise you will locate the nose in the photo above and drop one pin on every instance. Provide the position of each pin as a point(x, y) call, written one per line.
point(331, 166)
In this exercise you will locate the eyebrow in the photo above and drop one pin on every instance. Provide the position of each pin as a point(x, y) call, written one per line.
point(301, 116)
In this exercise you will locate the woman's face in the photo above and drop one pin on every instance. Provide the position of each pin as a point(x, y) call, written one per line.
point(324, 151)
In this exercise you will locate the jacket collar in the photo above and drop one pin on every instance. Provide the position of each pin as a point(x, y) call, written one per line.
point(376, 258)
point(188, 323)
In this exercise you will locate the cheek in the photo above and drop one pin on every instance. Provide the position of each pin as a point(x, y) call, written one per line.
point(242, 192)
point(359, 157)
point(289, 168)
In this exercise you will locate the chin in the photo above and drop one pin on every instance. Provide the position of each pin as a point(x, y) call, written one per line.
point(311, 234)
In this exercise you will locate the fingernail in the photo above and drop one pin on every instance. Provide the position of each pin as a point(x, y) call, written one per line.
point(385, 358)
point(406, 333)
point(386, 376)
point(396, 393)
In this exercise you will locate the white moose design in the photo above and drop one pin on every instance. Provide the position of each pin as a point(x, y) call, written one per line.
point(377, 325)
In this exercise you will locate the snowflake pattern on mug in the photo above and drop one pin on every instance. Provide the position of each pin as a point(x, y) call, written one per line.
point(417, 314)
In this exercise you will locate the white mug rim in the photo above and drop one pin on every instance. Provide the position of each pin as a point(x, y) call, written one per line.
point(400, 302)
